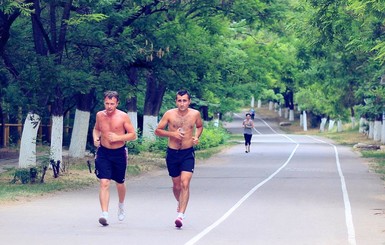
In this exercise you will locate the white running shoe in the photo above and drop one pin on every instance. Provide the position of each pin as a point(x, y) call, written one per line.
point(121, 214)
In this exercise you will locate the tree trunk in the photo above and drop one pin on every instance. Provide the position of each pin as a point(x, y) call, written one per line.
point(291, 115)
point(131, 101)
point(323, 124)
point(331, 124)
point(304, 121)
point(339, 126)
point(27, 156)
point(56, 151)
point(2, 127)
point(286, 113)
point(371, 130)
point(78, 143)
point(383, 131)
point(57, 126)
point(363, 126)
point(377, 131)
point(153, 101)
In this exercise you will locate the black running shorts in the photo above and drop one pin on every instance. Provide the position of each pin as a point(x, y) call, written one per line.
point(180, 160)
point(111, 163)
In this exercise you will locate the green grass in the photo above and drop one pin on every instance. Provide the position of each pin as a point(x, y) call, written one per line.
point(78, 176)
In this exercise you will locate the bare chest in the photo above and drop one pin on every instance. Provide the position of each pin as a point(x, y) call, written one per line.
point(186, 122)
point(111, 124)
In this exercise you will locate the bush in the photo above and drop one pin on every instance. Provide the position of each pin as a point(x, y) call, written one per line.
point(212, 136)
point(25, 175)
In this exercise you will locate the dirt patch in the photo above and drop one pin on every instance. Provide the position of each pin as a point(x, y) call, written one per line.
point(6, 153)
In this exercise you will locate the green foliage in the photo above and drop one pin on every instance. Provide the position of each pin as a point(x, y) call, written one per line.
point(140, 145)
point(81, 18)
point(212, 136)
point(26, 175)
point(9, 6)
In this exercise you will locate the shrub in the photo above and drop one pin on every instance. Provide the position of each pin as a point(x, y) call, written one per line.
point(212, 136)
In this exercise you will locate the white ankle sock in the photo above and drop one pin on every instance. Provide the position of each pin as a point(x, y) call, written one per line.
point(105, 214)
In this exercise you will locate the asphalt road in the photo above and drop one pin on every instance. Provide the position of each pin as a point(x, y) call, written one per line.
point(289, 189)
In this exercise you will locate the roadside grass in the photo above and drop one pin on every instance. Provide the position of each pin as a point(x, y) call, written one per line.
point(77, 175)
point(348, 137)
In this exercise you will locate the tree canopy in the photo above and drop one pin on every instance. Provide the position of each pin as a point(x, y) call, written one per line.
point(329, 54)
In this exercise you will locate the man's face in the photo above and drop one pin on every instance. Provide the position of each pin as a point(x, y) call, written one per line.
point(182, 102)
point(110, 104)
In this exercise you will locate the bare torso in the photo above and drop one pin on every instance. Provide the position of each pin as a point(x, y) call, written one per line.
point(109, 125)
point(185, 124)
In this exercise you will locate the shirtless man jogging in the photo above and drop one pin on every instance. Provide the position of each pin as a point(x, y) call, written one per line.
point(184, 127)
point(112, 129)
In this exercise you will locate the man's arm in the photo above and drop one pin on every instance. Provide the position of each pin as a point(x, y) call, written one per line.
point(162, 132)
point(198, 129)
point(129, 134)
point(130, 130)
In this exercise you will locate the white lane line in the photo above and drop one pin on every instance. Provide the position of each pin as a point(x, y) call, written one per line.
point(348, 209)
point(268, 125)
point(239, 203)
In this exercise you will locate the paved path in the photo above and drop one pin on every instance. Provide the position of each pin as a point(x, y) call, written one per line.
point(288, 190)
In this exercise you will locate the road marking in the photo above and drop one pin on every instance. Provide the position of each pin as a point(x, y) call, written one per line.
point(239, 203)
point(348, 209)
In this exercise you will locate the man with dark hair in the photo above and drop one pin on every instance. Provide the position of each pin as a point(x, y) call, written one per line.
point(184, 127)
point(112, 130)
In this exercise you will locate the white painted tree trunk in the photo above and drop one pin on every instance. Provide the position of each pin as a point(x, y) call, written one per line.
point(362, 125)
point(27, 156)
point(323, 124)
point(371, 130)
point(79, 134)
point(301, 120)
point(331, 124)
point(252, 102)
point(259, 103)
point(353, 121)
point(286, 113)
point(291, 115)
point(271, 105)
point(280, 112)
point(276, 107)
point(377, 130)
point(134, 119)
point(339, 126)
point(304, 121)
point(383, 131)
point(149, 125)
point(56, 150)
